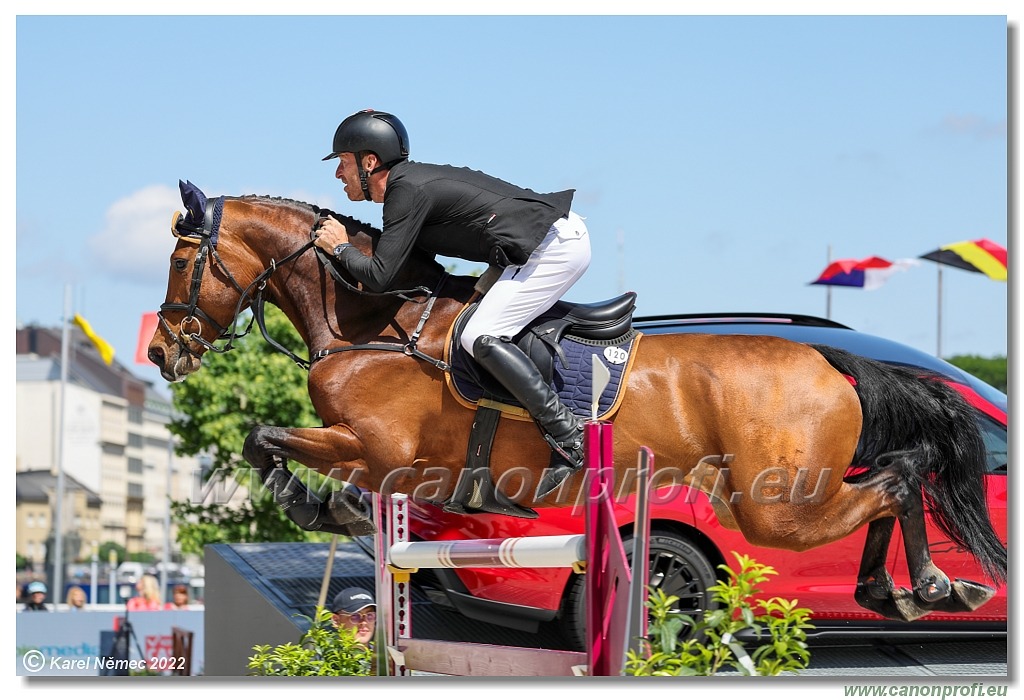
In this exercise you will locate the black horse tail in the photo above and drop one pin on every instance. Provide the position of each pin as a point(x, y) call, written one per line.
point(914, 419)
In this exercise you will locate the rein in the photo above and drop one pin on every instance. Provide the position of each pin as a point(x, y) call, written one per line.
point(207, 237)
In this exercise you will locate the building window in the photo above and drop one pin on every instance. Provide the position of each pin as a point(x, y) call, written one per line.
point(135, 414)
point(134, 465)
point(135, 440)
point(134, 490)
point(42, 521)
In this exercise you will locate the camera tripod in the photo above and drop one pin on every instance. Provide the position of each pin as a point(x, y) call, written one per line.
point(120, 651)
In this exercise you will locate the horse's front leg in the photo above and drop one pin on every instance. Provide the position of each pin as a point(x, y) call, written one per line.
point(330, 451)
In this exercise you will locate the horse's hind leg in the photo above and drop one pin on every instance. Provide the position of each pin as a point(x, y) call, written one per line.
point(876, 590)
point(343, 513)
point(933, 589)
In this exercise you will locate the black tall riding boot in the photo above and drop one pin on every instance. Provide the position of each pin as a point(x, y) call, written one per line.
point(520, 376)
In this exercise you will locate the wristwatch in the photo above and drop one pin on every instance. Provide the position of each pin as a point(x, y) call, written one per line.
point(339, 248)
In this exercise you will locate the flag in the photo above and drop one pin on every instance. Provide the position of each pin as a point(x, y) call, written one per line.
point(146, 331)
point(105, 349)
point(981, 255)
point(869, 273)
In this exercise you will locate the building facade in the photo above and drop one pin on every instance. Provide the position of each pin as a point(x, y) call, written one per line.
point(117, 453)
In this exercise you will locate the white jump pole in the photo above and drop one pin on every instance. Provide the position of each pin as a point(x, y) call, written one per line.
point(553, 551)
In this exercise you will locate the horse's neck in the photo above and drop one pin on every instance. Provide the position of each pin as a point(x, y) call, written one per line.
point(325, 311)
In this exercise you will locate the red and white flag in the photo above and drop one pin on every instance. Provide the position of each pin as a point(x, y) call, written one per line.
point(146, 331)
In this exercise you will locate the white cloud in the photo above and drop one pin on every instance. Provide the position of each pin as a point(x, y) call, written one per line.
point(135, 242)
point(974, 125)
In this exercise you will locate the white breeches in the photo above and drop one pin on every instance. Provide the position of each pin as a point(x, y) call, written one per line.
point(523, 293)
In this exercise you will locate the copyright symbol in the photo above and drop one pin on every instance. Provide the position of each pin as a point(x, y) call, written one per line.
point(33, 661)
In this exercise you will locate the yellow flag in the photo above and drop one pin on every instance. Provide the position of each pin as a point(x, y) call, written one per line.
point(105, 349)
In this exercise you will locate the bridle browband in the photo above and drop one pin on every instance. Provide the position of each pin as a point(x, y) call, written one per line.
point(206, 237)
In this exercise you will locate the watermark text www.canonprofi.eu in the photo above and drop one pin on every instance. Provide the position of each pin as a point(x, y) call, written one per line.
point(887, 690)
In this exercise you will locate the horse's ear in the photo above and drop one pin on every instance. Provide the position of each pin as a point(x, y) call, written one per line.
point(195, 202)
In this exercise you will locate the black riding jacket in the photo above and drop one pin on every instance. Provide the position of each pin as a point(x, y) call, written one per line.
point(456, 212)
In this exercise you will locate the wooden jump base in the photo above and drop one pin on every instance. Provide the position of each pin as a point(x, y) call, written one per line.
point(614, 595)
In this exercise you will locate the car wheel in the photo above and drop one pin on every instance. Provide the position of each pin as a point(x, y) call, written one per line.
point(677, 566)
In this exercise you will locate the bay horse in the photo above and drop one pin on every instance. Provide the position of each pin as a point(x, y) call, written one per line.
point(391, 423)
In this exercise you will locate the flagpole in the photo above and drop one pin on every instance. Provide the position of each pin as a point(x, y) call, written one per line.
point(58, 518)
point(938, 331)
point(164, 573)
point(828, 287)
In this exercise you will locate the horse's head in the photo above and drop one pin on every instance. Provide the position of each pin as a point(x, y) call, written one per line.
point(227, 250)
point(214, 272)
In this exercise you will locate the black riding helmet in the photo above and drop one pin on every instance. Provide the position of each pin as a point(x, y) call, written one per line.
point(370, 130)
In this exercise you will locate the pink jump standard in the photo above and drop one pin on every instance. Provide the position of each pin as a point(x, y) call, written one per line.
point(614, 618)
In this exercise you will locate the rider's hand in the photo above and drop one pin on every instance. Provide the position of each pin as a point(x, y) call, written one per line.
point(330, 234)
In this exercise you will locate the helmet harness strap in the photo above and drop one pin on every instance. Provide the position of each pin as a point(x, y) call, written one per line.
point(364, 177)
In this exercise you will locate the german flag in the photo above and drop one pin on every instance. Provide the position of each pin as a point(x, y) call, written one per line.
point(981, 255)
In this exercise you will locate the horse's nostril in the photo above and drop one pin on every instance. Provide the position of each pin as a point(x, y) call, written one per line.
point(156, 356)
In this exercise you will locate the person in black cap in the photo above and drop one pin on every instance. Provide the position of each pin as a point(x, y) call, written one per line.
point(540, 246)
point(356, 609)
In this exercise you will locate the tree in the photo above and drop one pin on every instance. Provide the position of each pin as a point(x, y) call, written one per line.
point(988, 369)
point(252, 384)
point(106, 547)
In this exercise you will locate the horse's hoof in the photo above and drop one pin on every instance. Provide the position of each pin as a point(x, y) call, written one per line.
point(898, 605)
point(933, 590)
point(876, 587)
point(346, 514)
point(965, 596)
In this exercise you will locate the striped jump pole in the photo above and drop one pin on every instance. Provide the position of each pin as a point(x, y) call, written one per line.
point(511, 553)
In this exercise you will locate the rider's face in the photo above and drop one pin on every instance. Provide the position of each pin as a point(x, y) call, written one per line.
point(348, 173)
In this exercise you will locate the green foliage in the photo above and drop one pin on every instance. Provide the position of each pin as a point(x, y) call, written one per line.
point(323, 650)
point(258, 519)
point(251, 385)
point(141, 557)
point(713, 643)
point(106, 547)
point(991, 370)
point(22, 562)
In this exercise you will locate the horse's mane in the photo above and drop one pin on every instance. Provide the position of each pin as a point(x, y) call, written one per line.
point(312, 208)
point(353, 225)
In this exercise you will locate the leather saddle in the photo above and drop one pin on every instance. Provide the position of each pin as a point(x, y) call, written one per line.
point(599, 323)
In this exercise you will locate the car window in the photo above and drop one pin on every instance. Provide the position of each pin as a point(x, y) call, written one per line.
point(848, 339)
point(994, 436)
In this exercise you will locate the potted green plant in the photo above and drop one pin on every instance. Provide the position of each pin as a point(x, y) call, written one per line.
point(323, 650)
point(717, 643)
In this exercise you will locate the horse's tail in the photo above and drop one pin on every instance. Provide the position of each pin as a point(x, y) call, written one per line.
point(913, 418)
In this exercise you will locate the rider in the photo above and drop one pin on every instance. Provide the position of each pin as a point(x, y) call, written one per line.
point(542, 246)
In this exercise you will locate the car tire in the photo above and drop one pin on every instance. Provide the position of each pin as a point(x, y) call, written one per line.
point(677, 566)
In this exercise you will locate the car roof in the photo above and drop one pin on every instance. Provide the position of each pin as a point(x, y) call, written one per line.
point(813, 329)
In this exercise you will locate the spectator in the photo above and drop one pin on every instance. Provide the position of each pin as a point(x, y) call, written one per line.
point(355, 609)
point(179, 597)
point(37, 597)
point(76, 599)
point(149, 597)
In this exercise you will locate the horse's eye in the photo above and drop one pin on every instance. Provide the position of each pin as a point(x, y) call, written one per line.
point(180, 264)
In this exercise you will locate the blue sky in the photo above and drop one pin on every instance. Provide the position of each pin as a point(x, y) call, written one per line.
point(716, 158)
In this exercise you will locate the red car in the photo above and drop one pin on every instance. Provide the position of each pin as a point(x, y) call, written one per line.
point(688, 543)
